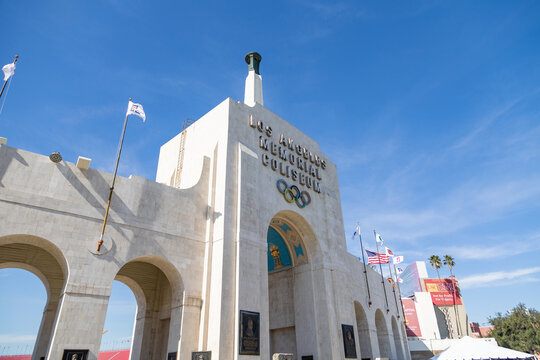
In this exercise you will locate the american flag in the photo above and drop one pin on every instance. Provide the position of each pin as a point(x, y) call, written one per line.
point(377, 258)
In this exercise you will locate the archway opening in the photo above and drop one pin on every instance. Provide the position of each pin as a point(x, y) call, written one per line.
point(22, 300)
point(41, 258)
point(362, 326)
point(157, 288)
point(290, 290)
point(119, 322)
point(397, 339)
point(383, 337)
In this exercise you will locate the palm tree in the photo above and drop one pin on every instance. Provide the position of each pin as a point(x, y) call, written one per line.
point(436, 264)
point(449, 261)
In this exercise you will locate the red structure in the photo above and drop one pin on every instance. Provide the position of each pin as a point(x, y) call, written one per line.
point(103, 355)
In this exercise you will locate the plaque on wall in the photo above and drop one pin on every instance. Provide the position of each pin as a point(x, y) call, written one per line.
point(75, 354)
point(348, 341)
point(201, 355)
point(171, 356)
point(249, 333)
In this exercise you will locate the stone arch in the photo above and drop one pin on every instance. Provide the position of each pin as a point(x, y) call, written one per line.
point(43, 259)
point(292, 327)
point(383, 337)
point(300, 225)
point(158, 289)
point(362, 326)
point(397, 339)
point(286, 231)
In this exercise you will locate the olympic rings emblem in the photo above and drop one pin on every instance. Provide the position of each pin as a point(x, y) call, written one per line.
point(293, 193)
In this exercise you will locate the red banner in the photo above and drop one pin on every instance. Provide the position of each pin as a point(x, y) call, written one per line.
point(443, 292)
point(411, 318)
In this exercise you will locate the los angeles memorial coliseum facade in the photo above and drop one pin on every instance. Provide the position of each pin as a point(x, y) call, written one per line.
point(236, 251)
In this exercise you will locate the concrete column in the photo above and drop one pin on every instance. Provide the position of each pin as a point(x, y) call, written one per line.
point(329, 339)
point(189, 336)
point(365, 342)
point(46, 329)
point(138, 331)
point(253, 92)
point(392, 342)
point(80, 322)
point(375, 351)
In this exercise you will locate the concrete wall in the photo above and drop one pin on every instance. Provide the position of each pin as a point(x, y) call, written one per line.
point(58, 208)
point(208, 242)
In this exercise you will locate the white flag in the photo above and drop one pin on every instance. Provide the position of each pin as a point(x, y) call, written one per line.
point(8, 70)
point(398, 259)
point(399, 280)
point(389, 252)
point(136, 109)
point(356, 231)
point(378, 238)
point(399, 270)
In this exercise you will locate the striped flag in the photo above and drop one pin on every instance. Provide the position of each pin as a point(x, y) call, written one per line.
point(377, 258)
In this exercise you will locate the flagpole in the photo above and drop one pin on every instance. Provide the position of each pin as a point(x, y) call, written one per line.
point(380, 267)
point(6, 81)
point(100, 242)
point(393, 286)
point(365, 270)
point(399, 290)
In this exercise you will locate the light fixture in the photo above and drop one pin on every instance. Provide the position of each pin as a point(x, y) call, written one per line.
point(55, 157)
point(83, 163)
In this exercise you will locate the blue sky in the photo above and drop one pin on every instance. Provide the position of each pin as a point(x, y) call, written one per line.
point(431, 111)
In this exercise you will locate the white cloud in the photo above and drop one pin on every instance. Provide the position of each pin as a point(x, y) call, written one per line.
point(484, 124)
point(497, 277)
point(527, 243)
point(470, 204)
point(11, 338)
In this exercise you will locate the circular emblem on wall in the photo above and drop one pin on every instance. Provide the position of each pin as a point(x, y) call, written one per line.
point(293, 193)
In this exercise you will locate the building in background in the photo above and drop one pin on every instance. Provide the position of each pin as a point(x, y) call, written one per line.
point(480, 331)
point(434, 311)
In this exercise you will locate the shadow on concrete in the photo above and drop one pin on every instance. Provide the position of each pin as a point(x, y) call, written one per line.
point(7, 154)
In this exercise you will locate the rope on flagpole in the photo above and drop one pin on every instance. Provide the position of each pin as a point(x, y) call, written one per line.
point(5, 96)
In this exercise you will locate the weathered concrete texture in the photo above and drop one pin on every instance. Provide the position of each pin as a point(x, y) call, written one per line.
point(282, 357)
point(51, 218)
point(195, 256)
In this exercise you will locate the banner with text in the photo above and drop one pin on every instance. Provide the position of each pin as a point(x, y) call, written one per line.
point(411, 318)
point(443, 292)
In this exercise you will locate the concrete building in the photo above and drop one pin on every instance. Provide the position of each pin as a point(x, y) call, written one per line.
point(478, 331)
point(434, 310)
point(236, 251)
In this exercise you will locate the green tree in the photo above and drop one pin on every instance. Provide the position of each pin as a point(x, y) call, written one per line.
point(518, 329)
point(449, 261)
